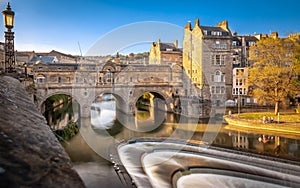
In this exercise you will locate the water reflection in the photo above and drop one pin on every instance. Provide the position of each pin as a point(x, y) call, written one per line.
point(107, 127)
point(265, 144)
point(103, 114)
point(150, 122)
point(100, 134)
point(146, 119)
point(60, 110)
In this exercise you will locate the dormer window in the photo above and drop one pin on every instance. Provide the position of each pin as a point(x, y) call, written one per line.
point(216, 33)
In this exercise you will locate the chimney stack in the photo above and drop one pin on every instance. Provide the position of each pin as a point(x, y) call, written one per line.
point(175, 42)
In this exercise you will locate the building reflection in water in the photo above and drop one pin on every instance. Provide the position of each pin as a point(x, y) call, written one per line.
point(266, 144)
point(150, 122)
point(240, 140)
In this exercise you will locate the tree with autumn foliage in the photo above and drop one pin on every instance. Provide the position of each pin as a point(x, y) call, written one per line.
point(275, 72)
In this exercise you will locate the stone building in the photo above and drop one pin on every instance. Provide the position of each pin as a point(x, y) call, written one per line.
point(207, 59)
point(240, 86)
point(240, 59)
point(240, 49)
point(61, 57)
point(23, 57)
point(165, 53)
point(30, 58)
point(54, 73)
point(241, 63)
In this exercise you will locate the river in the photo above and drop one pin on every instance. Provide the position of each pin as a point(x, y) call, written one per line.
point(99, 135)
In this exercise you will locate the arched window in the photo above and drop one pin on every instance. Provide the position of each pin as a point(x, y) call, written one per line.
point(219, 76)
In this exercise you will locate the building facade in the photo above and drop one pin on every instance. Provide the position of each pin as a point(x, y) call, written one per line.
point(240, 86)
point(61, 57)
point(207, 59)
point(23, 57)
point(240, 49)
point(165, 53)
point(241, 63)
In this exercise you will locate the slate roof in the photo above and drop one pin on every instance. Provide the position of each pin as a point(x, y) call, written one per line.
point(250, 38)
point(44, 59)
point(165, 46)
point(209, 29)
point(48, 59)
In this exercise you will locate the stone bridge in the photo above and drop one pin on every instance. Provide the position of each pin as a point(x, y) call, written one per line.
point(86, 82)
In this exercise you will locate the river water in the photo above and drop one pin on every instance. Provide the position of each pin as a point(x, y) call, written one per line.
point(100, 134)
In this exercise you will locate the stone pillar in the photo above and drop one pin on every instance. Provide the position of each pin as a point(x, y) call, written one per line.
point(169, 102)
point(85, 110)
point(125, 107)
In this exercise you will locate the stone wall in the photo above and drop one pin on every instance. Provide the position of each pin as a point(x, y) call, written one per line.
point(207, 59)
point(30, 155)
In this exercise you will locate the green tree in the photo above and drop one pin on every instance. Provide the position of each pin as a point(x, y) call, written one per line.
point(275, 72)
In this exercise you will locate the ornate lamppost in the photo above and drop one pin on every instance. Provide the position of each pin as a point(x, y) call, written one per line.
point(9, 50)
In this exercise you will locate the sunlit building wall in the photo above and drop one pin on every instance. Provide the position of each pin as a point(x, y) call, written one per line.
point(207, 58)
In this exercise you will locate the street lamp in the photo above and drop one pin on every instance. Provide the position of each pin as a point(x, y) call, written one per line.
point(8, 16)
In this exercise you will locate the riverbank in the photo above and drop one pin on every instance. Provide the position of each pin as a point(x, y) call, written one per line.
point(289, 124)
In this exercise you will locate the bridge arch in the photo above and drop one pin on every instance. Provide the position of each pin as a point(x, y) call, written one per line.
point(121, 103)
point(45, 97)
point(60, 109)
point(158, 94)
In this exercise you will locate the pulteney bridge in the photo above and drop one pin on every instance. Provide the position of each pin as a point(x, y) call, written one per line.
point(85, 82)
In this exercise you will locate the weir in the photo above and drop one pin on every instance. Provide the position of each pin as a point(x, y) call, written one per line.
point(174, 163)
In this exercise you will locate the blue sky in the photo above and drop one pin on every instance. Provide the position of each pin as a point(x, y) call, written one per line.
point(43, 25)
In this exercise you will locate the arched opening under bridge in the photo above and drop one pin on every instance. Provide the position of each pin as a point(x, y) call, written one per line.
point(62, 113)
